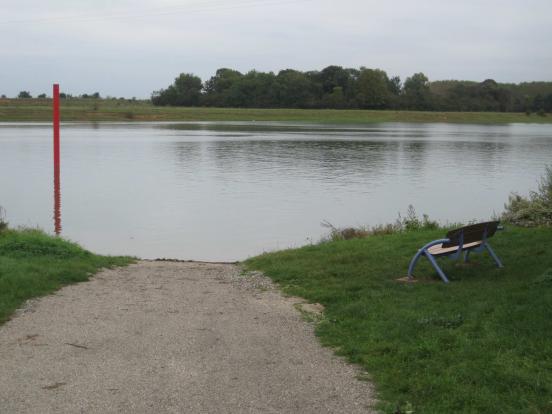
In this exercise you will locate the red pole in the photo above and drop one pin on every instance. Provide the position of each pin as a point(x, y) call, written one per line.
point(57, 178)
point(56, 126)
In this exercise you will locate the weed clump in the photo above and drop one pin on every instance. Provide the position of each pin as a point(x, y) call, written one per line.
point(411, 222)
point(534, 210)
point(3, 222)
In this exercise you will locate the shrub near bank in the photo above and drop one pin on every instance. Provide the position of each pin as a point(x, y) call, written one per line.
point(3, 223)
point(534, 210)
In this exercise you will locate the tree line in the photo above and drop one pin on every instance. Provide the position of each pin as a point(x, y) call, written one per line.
point(348, 88)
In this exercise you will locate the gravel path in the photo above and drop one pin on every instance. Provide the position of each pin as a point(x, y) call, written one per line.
point(165, 337)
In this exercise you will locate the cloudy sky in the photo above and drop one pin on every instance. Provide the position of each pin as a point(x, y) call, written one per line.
point(132, 47)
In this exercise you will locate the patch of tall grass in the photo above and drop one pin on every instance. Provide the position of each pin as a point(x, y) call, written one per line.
point(410, 222)
point(3, 222)
point(533, 210)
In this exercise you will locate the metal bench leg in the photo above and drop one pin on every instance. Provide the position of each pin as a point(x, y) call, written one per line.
point(413, 263)
point(437, 268)
point(467, 256)
point(493, 254)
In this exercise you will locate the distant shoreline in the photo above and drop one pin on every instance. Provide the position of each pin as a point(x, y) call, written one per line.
point(100, 110)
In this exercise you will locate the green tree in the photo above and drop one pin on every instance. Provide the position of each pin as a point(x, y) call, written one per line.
point(185, 91)
point(217, 88)
point(372, 89)
point(188, 89)
point(295, 89)
point(394, 85)
point(335, 100)
point(165, 97)
point(223, 80)
point(253, 90)
point(538, 103)
point(492, 97)
point(548, 103)
point(338, 87)
point(332, 77)
point(416, 92)
point(24, 95)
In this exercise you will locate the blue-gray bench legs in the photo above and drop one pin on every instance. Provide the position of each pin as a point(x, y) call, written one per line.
point(423, 252)
point(493, 255)
point(480, 249)
point(431, 259)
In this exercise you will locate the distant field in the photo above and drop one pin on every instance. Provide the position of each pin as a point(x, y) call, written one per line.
point(126, 110)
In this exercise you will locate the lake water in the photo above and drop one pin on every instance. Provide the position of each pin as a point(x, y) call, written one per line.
point(227, 191)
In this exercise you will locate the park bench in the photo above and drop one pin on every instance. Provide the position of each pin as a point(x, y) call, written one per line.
point(472, 238)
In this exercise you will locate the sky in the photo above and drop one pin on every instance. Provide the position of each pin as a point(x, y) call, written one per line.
point(130, 48)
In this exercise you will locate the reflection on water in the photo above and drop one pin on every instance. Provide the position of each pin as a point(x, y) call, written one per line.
point(227, 191)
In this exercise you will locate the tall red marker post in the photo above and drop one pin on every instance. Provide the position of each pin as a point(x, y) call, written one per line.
point(57, 178)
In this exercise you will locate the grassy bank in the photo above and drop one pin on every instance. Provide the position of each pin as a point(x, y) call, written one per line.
point(34, 264)
point(481, 344)
point(125, 110)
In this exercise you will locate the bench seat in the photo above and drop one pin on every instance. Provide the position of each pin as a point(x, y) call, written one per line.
point(438, 249)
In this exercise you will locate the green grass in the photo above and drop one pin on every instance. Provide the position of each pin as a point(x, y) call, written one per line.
point(126, 110)
point(481, 344)
point(35, 264)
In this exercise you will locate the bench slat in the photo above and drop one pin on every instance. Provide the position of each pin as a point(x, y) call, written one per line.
point(438, 249)
point(472, 233)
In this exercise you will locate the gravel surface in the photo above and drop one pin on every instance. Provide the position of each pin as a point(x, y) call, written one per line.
point(169, 337)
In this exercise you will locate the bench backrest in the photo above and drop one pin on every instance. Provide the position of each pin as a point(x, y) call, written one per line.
point(471, 233)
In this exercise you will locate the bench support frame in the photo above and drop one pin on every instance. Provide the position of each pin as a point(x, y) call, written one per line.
point(424, 251)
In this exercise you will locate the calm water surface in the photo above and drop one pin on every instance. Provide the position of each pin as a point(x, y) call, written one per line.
point(228, 191)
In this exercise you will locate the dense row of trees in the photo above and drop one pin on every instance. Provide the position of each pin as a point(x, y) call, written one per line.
point(338, 87)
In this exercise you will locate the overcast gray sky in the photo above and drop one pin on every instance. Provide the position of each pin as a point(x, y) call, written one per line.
point(132, 47)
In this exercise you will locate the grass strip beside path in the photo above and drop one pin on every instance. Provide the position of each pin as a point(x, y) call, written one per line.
point(33, 264)
point(91, 110)
point(481, 344)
